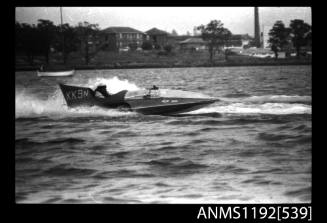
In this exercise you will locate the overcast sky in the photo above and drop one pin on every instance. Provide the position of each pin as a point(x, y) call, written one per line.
point(239, 20)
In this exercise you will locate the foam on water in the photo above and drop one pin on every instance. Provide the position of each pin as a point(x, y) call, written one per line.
point(279, 98)
point(270, 98)
point(264, 104)
point(54, 106)
point(266, 108)
point(114, 84)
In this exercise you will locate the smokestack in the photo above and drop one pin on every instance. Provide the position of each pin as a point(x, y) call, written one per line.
point(256, 28)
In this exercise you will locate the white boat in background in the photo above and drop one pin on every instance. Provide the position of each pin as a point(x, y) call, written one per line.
point(55, 73)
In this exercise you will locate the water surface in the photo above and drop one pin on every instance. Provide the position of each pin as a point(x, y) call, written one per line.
point(254, 146)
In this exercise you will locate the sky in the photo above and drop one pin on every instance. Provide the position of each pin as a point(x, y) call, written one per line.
point(239, 20)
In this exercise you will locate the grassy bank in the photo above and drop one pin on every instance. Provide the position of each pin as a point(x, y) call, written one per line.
point(151, 59)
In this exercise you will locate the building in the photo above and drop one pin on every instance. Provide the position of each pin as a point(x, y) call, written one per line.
point(193, 43)
point(197, 43)
point(238, 41)
point(175, 40)
point(116, 38)
point(246, 39)
point(158, 36)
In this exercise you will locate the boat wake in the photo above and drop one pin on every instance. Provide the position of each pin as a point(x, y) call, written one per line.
point(270, 98)
point(264, 104)
point(55, 107)
point(114, 85)
point(265, 108)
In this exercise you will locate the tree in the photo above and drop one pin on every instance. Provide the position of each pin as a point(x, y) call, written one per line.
point(278, 37)
point(147, 45)
point(66, 40)
point(157, 46)
point(188, 33)
point(46, 32)
point(26, 40)
point(18, 37)
point(174, 33)
point(300, 32)
point(216, 35)
point(309, 38)
point(132, 46)
point(87, 33)
point(168, 48)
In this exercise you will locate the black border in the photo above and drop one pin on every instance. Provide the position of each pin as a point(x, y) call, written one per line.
point(204, 3)
point(116, 212)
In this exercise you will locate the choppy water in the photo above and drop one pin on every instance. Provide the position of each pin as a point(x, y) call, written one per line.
point(254, 146)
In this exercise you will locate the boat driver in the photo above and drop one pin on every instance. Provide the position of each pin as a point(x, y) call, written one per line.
point(150, 93)
point(154, 87)
point(101, 91)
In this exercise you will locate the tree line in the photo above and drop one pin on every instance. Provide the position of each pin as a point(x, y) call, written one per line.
point(44, 37)
point(216, 35)
point(40, 39)
point(299, 34)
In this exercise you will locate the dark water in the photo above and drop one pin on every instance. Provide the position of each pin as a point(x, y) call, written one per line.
point(254, 146)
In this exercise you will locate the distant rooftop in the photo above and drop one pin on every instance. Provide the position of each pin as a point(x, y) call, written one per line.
point(180, 37)
point(119, 29)
point(155, 31)
point(245, 36)
point(193, 40)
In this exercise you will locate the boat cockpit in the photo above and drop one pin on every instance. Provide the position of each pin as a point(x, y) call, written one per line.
point(144, 94)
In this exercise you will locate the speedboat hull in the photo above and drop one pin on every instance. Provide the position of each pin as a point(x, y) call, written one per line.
point(80, 96)
point(167, 106)
point(55, 73)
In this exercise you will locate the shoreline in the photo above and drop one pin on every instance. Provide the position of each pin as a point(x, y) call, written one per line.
point(158, 65)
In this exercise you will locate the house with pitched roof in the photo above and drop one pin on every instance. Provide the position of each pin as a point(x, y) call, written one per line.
point(158, 36)
point(193, 43)
point(238, 41)
point(116, 38)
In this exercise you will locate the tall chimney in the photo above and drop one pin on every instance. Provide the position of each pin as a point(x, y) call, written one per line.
point(256, 28)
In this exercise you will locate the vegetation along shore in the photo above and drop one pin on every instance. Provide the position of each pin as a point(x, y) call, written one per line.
point(85, 46)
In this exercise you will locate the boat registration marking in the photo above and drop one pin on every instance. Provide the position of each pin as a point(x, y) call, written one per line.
point(78, 94)
point(167, 101)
